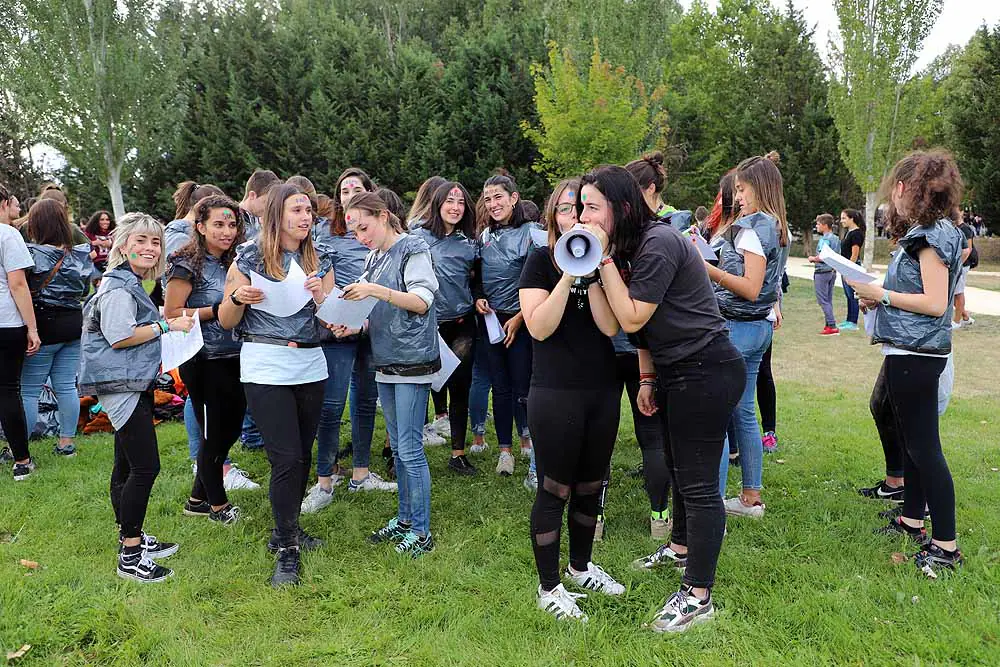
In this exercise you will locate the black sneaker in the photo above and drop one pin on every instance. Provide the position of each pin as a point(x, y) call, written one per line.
point(394, 531)
point(883, 491)
point(228, 515)
point(6, 456)
point(461, 466)
point(682, 611)
point(134, 564)
point(933, 559)
point(200, 508)
point(306, 542)
point(897, 527)
point(287, 568)
point(415, 546)
point(67, 451)
point(22, 471)
point(662, 557)
point(896, 512)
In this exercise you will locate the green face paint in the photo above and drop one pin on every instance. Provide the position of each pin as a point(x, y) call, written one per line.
point(133, 256)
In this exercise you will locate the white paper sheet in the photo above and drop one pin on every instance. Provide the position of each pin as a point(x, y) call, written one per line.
point(870, 321)
point(285, 298)
point(493, 328)
point(176, 347)
point(702, 245)
point(539, 236)
point(449, 362)
point(351, 314)
point(845, 267)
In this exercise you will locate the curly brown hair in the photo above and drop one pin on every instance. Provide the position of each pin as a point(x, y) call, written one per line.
point(195, 250)
point(932, 188)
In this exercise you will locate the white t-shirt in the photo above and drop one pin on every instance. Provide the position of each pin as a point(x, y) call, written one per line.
point(748, 241)
point(14, 255)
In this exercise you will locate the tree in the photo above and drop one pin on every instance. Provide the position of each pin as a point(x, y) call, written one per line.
point(880, 40)
point(95, 79)
point(602, 118)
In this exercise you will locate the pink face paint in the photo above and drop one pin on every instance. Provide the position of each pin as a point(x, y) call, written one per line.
point(351, 184)
point(455, 192)
point(347, 217)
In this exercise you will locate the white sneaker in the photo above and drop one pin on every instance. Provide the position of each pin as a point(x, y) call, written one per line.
point(479, 449)
point(431, 437)
point(595, 579)
point(372, 483)
point(561, 603)
point(316, 499)
point(531, 481)
point(442, 426)
point(659, 529)
point(237, 480)
point(956, 325)
point(505, 464)
point(682, 611)
point(736, 507)
point(969, 321)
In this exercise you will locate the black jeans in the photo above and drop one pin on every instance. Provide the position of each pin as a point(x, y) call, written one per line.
point(906, 395)
point(510, 373)
point(460, 335)
point(767, 398)
point(649, 434)
point(219, 405)
point(137, 463)
point(696, 398)
point(288, 417)
point(574, 433)
point(13, 342)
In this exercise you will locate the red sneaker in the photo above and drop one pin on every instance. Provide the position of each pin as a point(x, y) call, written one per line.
point(830, 331)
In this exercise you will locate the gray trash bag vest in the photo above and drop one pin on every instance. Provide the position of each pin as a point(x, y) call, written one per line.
point(206, 290)
point(69, 284)
point(679, 220)
point(503, 251)
point(176, 235)
point(453, 257)
point(347, 255)
point(104, 370)
point(913, 331)
point(735, 307)
point(403, 342)
point(302, 327)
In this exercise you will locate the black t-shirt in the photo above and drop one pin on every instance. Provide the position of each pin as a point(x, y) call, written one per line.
point(668, 270)
point(972, 260)
point(577, 355)
point(855, 237)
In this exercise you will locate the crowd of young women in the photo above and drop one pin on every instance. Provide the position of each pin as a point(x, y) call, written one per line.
point(685, 338)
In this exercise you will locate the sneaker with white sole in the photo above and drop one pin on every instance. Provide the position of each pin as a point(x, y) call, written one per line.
point(594, 578)
point(22, 471)
point(561, 603)
point(134, 564)
point(316, 499)
point(505, 464)
point(153, 548)
point(682, 611)
point(237, 480)
point(227, 516)
point(372, 483)
point(659, 529)
point(480, 448)
point(442, 426)
point(662, 557)
point(431, 437)
point(736, 507)
point(531, 481)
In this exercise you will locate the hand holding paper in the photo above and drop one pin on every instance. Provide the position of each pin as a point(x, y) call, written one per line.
point(284, 298)
point(702, 245)
point(338, 310)
point(845, 267)
point(176, 347)
point(493, 328)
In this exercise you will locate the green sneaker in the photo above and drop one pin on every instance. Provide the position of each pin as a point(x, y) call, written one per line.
point(415, 545)
point(394, 531)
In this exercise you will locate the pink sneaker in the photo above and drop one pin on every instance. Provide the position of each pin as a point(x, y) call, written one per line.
point(770, 442)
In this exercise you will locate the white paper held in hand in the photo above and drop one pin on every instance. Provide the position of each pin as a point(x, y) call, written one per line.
point(845, 267)
point(282, 298)
point(176, 347)
point(701, 244)
point(338, 310)
point(449, 362)
point(493, 329)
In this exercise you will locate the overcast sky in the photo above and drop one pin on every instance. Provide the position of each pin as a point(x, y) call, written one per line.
point(958, 21)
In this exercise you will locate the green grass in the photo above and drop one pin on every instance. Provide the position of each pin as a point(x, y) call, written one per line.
point(808, 585)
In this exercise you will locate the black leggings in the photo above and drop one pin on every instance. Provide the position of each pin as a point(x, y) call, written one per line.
point(460, 336)
point(767, 399)
point(13, 341)
point(137, 463)
point(288, 417)
point(219, 405)
point(906, 395)
point(574, 433)
point(649, 434)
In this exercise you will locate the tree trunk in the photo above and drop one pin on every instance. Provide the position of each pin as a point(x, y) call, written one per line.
point(115, 190)
point(871, 203)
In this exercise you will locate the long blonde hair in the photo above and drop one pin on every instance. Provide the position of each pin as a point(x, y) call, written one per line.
point(761, 174)
point(129, 225)
point(270, 234)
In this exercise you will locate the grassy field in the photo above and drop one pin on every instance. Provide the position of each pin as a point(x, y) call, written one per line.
point(807, 585)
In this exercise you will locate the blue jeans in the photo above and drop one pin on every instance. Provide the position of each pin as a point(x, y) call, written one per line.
point(60, 361)
point(752, 340)
point(404, 407)
point(348, 365)
point(251, 438)
point(510, 372)
point(852, 304)
point(479, 393)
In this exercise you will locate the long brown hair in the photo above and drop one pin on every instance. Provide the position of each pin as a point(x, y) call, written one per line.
point(761, 174)
point(932, 189)
point(549, 214)
point(190, 193)
point(371, 203)
point(196, 249)
point(421, 206)
point(270, 234)
point(48, 224)
point(338, 226)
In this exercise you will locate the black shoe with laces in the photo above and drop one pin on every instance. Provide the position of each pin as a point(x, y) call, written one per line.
point(306, 542)
point(135, 564)
point(461, 466)
point(200, 508)
point(288, 567)
point(228, 515)
point(152, 547)
point(883, 491)
point(6, 456)
point(933, 559)
point(897, 527)
point(22, 471)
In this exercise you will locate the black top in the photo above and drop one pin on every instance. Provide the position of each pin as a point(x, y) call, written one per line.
point(58, 325)
point(972, 261)
point(577, 355)
point(855, 237)
point(668, 270)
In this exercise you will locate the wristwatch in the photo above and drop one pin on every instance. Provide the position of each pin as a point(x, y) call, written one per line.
point(885, 298)
point(236, 302)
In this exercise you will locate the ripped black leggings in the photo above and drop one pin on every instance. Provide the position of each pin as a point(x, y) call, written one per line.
point(574, 435)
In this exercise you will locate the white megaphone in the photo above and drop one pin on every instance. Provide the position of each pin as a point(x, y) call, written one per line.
point(578, 252)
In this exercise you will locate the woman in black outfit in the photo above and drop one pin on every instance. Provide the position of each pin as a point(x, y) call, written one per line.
point(686, 358)
point(573, 411)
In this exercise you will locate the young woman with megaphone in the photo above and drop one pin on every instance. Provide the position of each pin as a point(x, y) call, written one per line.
point(573, 407)
point(692, 374)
